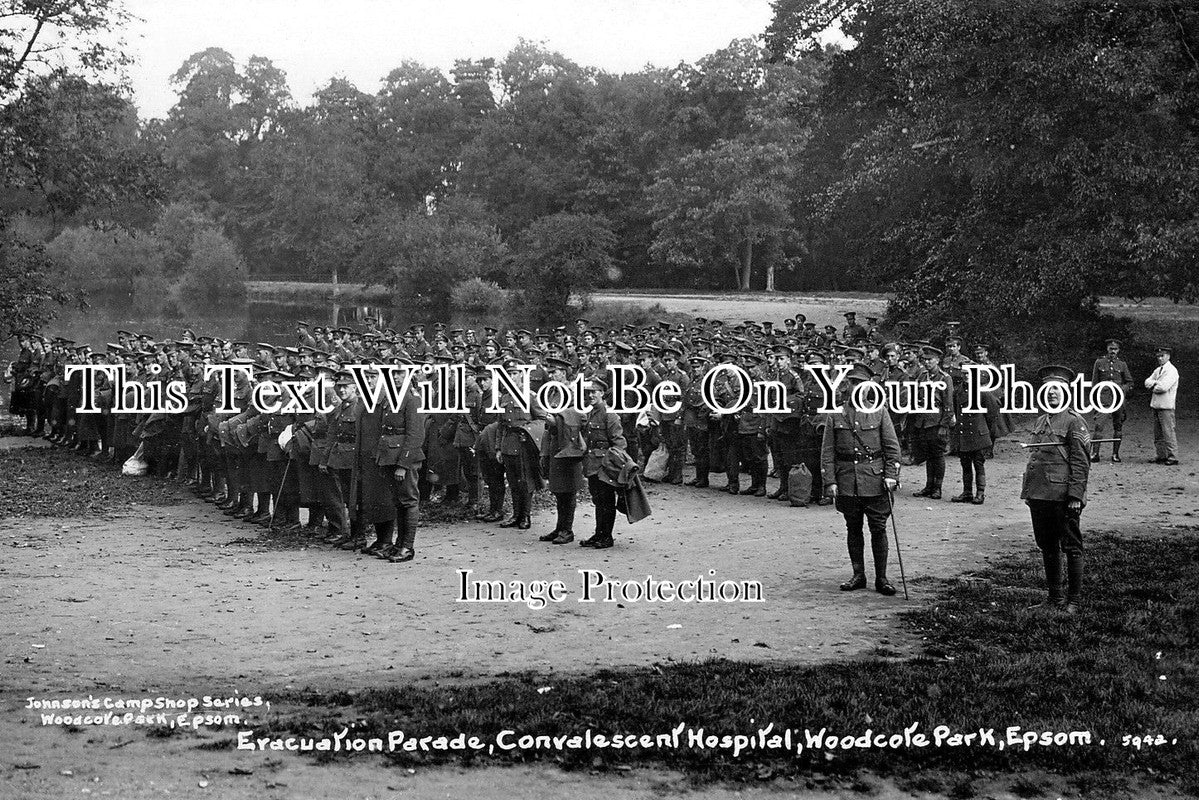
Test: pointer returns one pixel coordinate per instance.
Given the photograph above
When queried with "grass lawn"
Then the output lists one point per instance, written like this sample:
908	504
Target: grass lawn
1126	668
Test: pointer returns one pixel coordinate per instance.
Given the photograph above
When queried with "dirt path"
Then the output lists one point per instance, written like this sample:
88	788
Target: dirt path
168	600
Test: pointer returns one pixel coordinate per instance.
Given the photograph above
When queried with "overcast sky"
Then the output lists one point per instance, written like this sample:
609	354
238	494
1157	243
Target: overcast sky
362	40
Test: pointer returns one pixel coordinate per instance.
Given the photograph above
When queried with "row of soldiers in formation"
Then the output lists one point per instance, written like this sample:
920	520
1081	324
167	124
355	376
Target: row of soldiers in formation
355	471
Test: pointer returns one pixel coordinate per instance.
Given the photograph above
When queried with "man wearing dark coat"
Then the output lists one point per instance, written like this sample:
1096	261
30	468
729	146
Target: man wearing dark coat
562	451
1055	490
601	431
398	453
860	468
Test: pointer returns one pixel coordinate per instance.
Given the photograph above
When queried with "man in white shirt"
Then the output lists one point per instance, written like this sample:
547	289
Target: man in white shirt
1164	385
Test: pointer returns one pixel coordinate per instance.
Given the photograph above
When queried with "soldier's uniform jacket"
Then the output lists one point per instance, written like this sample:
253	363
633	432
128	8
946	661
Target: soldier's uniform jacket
466	426
683	381
343	436
516	424
1112	369
942	399
853	333
601	430
402	435
858	451
954	362
275	425
796	395
972	432
318	427
1058	472
695	411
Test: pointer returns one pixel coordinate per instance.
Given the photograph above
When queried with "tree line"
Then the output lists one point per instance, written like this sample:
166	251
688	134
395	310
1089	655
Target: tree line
998	161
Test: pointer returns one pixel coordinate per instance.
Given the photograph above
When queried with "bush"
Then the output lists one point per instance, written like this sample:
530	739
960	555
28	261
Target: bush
215	272
559	256
115	263
477	296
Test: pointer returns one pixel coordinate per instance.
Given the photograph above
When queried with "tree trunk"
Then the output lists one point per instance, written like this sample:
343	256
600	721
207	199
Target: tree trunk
746	262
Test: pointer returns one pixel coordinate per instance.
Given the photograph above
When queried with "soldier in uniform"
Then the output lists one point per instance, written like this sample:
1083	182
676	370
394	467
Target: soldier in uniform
398	455
971	439
954	359
930	429
601	431
1111	367
1055	490
852	332
786	427
520	455
859	464
695	422
811	432
670	425
562	451
337	462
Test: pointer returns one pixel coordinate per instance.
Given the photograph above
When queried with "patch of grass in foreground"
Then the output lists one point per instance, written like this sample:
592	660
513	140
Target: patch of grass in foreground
988	663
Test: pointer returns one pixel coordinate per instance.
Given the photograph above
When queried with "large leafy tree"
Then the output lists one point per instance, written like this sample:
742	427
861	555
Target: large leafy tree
421	256
223	114
69	143
728	205
1010	160
558	256
720	210
309	189
418	144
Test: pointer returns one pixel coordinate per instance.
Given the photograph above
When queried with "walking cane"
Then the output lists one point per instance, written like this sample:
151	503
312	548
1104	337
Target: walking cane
898	554
279	493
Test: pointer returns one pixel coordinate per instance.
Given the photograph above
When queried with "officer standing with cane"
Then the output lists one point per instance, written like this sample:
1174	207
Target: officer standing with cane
859	464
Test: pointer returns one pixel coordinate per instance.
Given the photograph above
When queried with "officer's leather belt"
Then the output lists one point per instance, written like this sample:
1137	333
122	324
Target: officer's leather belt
345	439
390	431
858	456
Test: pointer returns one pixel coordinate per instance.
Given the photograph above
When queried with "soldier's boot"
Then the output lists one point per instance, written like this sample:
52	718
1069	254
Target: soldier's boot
348	534
517	514
967	495
451	494
607	520
385	536
858	581
316	519
406	543
291	519
1052	558
389	547
1075	563
879	551
937	476
340	526
472	493
1094	454
384	531
781	493
980	480
1116	450
244	507
564	527
263	514
495	507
